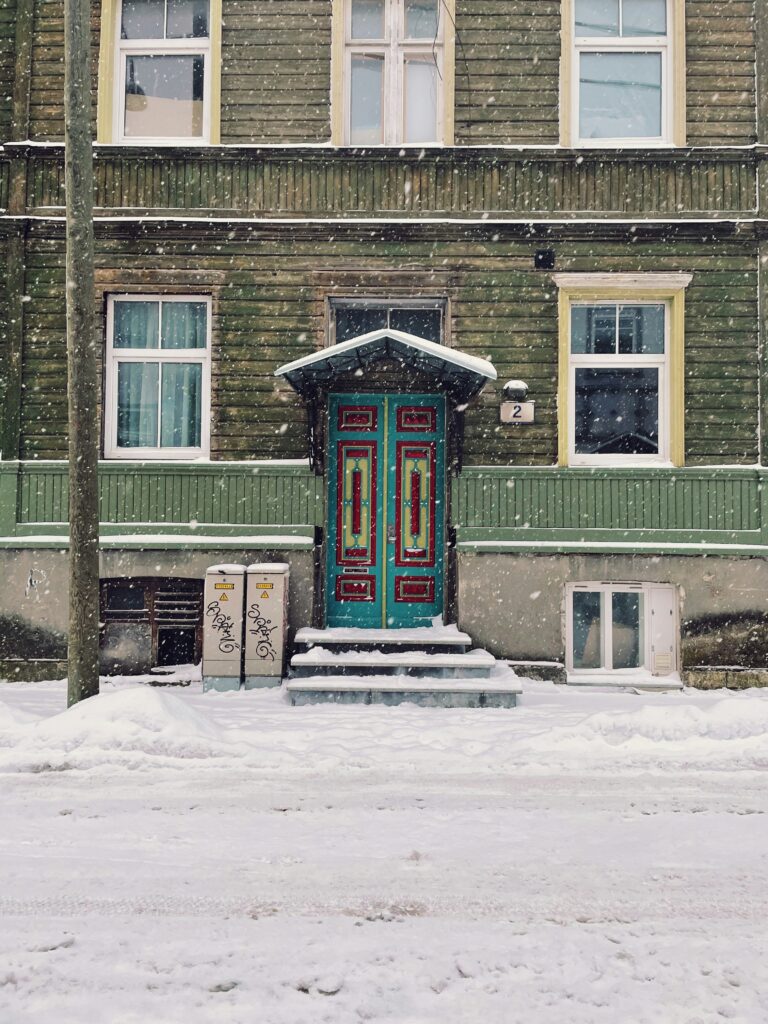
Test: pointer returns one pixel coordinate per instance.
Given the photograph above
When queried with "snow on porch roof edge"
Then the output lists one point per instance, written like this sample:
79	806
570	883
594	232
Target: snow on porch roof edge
475	371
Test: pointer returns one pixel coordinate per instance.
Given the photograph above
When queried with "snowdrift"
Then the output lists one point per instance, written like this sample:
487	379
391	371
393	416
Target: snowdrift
141	726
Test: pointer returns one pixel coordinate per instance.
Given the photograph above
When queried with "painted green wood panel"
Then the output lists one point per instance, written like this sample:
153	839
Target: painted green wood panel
7	64
448	183
517	503
141	493
270	292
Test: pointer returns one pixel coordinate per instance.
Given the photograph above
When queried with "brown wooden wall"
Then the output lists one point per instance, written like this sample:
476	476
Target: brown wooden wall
270	291
276	71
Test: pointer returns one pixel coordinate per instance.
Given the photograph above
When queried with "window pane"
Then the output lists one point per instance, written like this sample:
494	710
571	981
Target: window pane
617	412
181	406
620	96
645	18
137	405
593	330
420	100
352	321
421	19
164	97
184	324
597	17
125	597
136	324
142	19
641	329
587	630
187	19
367	101
626	629
424	323
367	19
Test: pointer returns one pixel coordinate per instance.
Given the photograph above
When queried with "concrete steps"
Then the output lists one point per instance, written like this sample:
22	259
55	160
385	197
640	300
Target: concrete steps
432	667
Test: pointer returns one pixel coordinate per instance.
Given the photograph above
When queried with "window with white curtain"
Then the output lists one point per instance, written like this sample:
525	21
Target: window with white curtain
622	72
163	71
157	377
393	72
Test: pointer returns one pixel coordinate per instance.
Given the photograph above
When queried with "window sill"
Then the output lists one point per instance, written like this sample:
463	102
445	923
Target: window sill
639	680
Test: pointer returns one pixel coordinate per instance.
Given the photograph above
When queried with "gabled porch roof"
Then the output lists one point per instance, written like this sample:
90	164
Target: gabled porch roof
461	376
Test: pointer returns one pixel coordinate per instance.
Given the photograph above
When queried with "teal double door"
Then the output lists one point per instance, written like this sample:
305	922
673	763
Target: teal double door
386	510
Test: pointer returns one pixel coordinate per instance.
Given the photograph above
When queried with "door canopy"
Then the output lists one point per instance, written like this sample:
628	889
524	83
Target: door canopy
461	376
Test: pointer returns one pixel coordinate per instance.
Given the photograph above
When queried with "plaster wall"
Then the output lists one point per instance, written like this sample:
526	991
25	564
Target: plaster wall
514	604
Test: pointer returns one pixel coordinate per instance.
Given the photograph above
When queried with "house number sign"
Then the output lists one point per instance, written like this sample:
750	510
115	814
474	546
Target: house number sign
517	412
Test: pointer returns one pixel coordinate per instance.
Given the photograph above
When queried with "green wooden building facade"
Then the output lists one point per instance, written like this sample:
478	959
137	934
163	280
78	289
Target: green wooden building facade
515	216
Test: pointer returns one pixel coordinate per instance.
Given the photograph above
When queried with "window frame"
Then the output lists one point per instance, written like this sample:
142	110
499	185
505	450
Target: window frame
411	302
606	589
625	289
395	51
111	90
113	358
672	50
658	361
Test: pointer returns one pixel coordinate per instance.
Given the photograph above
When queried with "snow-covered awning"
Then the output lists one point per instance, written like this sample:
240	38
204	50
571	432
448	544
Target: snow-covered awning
460	375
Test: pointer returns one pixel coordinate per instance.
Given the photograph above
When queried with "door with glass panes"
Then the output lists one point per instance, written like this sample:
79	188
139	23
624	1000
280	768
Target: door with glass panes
386	510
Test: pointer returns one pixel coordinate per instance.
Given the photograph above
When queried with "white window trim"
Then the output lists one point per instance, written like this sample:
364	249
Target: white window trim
160	48
395	51
146	355
623	675
659	361
626	44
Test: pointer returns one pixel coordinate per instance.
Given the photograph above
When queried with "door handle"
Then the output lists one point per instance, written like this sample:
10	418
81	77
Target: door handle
390	533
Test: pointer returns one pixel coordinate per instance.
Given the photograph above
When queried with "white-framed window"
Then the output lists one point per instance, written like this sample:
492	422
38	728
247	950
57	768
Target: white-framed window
163	72
621	629
393	72
622	75
158	377
618	383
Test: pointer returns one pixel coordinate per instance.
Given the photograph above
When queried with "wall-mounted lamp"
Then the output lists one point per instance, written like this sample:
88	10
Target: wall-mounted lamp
515	391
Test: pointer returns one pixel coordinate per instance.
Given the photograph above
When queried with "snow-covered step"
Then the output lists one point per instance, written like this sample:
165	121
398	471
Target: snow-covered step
444	665
427	638
499	691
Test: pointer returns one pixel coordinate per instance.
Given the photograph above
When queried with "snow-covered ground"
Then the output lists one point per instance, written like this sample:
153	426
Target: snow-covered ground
171	856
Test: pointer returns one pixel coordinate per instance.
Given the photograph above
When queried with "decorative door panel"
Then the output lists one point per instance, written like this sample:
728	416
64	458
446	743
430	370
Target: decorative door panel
386	510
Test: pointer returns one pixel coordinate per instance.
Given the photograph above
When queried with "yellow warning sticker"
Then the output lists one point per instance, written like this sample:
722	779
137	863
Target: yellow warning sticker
267	586
223	598
265	595
223	586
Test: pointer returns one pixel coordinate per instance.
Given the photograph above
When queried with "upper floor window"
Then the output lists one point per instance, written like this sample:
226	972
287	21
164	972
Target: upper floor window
163	68
394	73
622	80
157	401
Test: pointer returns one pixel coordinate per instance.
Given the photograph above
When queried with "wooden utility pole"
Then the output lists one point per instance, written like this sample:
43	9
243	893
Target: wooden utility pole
81	358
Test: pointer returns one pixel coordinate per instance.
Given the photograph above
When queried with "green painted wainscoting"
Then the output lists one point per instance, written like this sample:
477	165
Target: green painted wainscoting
719	510
685	511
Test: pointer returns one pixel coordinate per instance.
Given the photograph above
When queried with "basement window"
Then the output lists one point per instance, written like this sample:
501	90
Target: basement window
620	630
157	377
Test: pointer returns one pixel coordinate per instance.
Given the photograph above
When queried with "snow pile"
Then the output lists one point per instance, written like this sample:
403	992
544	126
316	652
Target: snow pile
12	722
729	727
124	728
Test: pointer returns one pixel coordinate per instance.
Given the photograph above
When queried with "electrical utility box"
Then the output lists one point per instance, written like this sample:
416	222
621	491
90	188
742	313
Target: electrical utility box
223	627
266	623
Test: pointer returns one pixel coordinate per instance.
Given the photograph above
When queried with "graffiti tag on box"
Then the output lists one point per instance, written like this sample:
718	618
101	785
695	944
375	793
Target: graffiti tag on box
224	625
260	628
